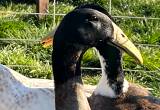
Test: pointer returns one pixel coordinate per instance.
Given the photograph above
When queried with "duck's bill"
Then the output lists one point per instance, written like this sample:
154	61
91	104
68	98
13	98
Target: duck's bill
121	40
47	41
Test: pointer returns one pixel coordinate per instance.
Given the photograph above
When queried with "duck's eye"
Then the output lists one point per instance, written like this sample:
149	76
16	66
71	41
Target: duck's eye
123	35
92	18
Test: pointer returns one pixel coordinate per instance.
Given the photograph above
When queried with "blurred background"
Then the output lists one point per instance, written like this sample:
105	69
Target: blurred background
21	31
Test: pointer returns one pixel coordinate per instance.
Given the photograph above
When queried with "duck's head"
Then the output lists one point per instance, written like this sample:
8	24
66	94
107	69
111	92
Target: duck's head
90	27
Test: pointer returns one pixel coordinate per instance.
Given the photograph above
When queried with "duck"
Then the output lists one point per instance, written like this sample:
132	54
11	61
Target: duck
91	27
87	28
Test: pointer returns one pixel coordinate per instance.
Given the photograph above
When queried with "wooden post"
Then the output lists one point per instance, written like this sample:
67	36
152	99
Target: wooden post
42	7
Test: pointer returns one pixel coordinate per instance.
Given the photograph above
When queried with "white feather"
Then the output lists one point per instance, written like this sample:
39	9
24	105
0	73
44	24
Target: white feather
103	87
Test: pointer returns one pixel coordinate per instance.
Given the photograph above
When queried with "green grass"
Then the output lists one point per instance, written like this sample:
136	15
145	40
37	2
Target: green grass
38	58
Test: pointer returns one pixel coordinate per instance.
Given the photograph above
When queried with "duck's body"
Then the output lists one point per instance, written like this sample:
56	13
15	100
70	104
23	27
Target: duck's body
18	92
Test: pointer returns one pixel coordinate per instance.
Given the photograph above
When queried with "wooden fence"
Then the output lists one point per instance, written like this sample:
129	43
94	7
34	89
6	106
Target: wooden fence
42	7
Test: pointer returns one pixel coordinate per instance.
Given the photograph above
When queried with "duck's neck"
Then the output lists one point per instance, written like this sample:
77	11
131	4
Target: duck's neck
112	82
69	94
66	63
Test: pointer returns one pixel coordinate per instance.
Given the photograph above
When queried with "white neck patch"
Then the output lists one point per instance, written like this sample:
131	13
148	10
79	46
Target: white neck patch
103	88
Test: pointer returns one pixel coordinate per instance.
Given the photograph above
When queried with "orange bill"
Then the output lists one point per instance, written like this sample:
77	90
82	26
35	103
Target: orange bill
47	41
